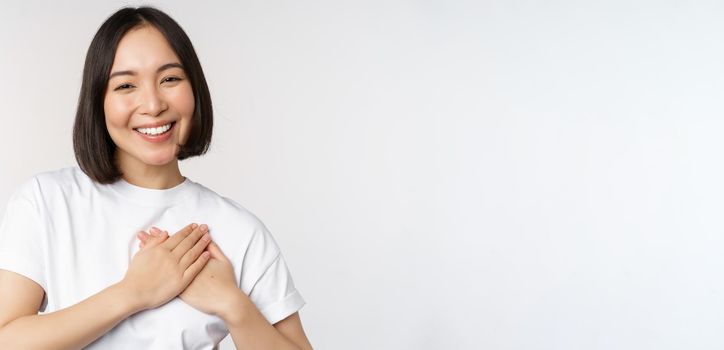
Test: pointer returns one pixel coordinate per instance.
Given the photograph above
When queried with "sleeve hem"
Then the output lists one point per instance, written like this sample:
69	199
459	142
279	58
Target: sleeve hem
283	308
23	270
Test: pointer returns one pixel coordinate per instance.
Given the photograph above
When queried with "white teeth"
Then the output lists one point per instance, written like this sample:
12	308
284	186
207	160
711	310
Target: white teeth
155	131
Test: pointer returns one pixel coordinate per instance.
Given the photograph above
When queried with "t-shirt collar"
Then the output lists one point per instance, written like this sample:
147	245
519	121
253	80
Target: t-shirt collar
152	197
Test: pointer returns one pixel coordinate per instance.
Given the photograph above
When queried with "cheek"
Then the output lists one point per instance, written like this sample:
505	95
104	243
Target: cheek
117	111
184	101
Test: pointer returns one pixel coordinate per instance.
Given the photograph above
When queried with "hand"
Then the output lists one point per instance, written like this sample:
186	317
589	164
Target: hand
163	269
214	290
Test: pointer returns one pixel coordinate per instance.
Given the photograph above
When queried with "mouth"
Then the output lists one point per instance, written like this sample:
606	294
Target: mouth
161	133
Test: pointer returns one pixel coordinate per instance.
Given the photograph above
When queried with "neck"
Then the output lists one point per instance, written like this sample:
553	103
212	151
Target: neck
138	173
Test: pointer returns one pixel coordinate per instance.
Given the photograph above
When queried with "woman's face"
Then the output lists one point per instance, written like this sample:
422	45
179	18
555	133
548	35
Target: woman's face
147	92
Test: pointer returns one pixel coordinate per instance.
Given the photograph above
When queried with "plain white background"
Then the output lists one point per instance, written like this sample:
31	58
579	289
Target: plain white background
443	174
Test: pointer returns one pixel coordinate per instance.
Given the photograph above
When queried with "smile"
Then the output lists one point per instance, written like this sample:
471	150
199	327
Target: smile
159	134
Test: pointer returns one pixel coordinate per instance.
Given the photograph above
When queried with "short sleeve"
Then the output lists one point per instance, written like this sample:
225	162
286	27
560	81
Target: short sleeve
21	238
267	277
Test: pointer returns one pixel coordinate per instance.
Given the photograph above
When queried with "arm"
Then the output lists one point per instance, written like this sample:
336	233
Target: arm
176	263
71	328
214	291
250	330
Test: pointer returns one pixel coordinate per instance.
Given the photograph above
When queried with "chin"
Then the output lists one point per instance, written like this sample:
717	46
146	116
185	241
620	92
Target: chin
159	159
160	162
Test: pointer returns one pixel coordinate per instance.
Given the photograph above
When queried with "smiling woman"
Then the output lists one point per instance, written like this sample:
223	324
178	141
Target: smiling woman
147	90
76	243
151	77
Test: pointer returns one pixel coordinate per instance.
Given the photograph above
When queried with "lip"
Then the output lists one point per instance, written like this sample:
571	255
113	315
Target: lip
154	125
160	138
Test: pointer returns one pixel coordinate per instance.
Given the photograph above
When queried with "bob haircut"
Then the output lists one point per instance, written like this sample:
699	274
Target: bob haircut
93	146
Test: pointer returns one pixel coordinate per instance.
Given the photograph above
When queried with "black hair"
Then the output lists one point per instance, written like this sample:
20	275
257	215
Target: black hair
93	146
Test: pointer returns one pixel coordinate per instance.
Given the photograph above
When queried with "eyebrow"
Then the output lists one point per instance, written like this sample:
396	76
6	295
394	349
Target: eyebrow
159	70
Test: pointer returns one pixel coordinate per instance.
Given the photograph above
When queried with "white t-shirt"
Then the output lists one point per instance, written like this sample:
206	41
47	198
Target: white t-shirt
75	237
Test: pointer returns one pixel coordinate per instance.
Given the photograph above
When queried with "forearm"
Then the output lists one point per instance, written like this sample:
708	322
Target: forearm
73	327
251	331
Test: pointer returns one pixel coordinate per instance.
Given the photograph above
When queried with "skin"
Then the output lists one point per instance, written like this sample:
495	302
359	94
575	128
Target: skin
215	282
148	96
185	264
176	261
248	328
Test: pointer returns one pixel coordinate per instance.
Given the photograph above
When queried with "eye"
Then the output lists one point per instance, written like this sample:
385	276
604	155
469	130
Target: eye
123	87
171	79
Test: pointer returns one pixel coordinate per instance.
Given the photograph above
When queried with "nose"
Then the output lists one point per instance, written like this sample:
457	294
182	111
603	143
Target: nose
152	102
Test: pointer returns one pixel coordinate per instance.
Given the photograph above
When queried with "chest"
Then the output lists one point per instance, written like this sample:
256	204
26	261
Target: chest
85	254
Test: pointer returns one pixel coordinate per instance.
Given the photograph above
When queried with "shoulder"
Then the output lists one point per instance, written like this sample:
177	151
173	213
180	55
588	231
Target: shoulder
46	186
34	185
61	181
227	207
228	215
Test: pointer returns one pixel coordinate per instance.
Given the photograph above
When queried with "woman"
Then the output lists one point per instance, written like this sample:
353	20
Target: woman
68	243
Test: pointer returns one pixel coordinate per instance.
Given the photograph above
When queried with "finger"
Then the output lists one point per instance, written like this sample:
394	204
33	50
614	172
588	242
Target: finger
216	252
145	237
195	251
162	235
195	268
180	250
159	237
148	240
155	231
142	236
179	236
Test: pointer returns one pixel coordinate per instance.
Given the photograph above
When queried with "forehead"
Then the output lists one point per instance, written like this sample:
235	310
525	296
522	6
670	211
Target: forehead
143	48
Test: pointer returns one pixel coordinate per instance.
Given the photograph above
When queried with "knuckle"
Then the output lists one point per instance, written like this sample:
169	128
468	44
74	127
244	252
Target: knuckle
189	236
198	232
191	230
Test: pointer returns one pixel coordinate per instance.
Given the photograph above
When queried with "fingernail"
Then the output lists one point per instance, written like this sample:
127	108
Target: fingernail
206	237
204	228
194	226
154	229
